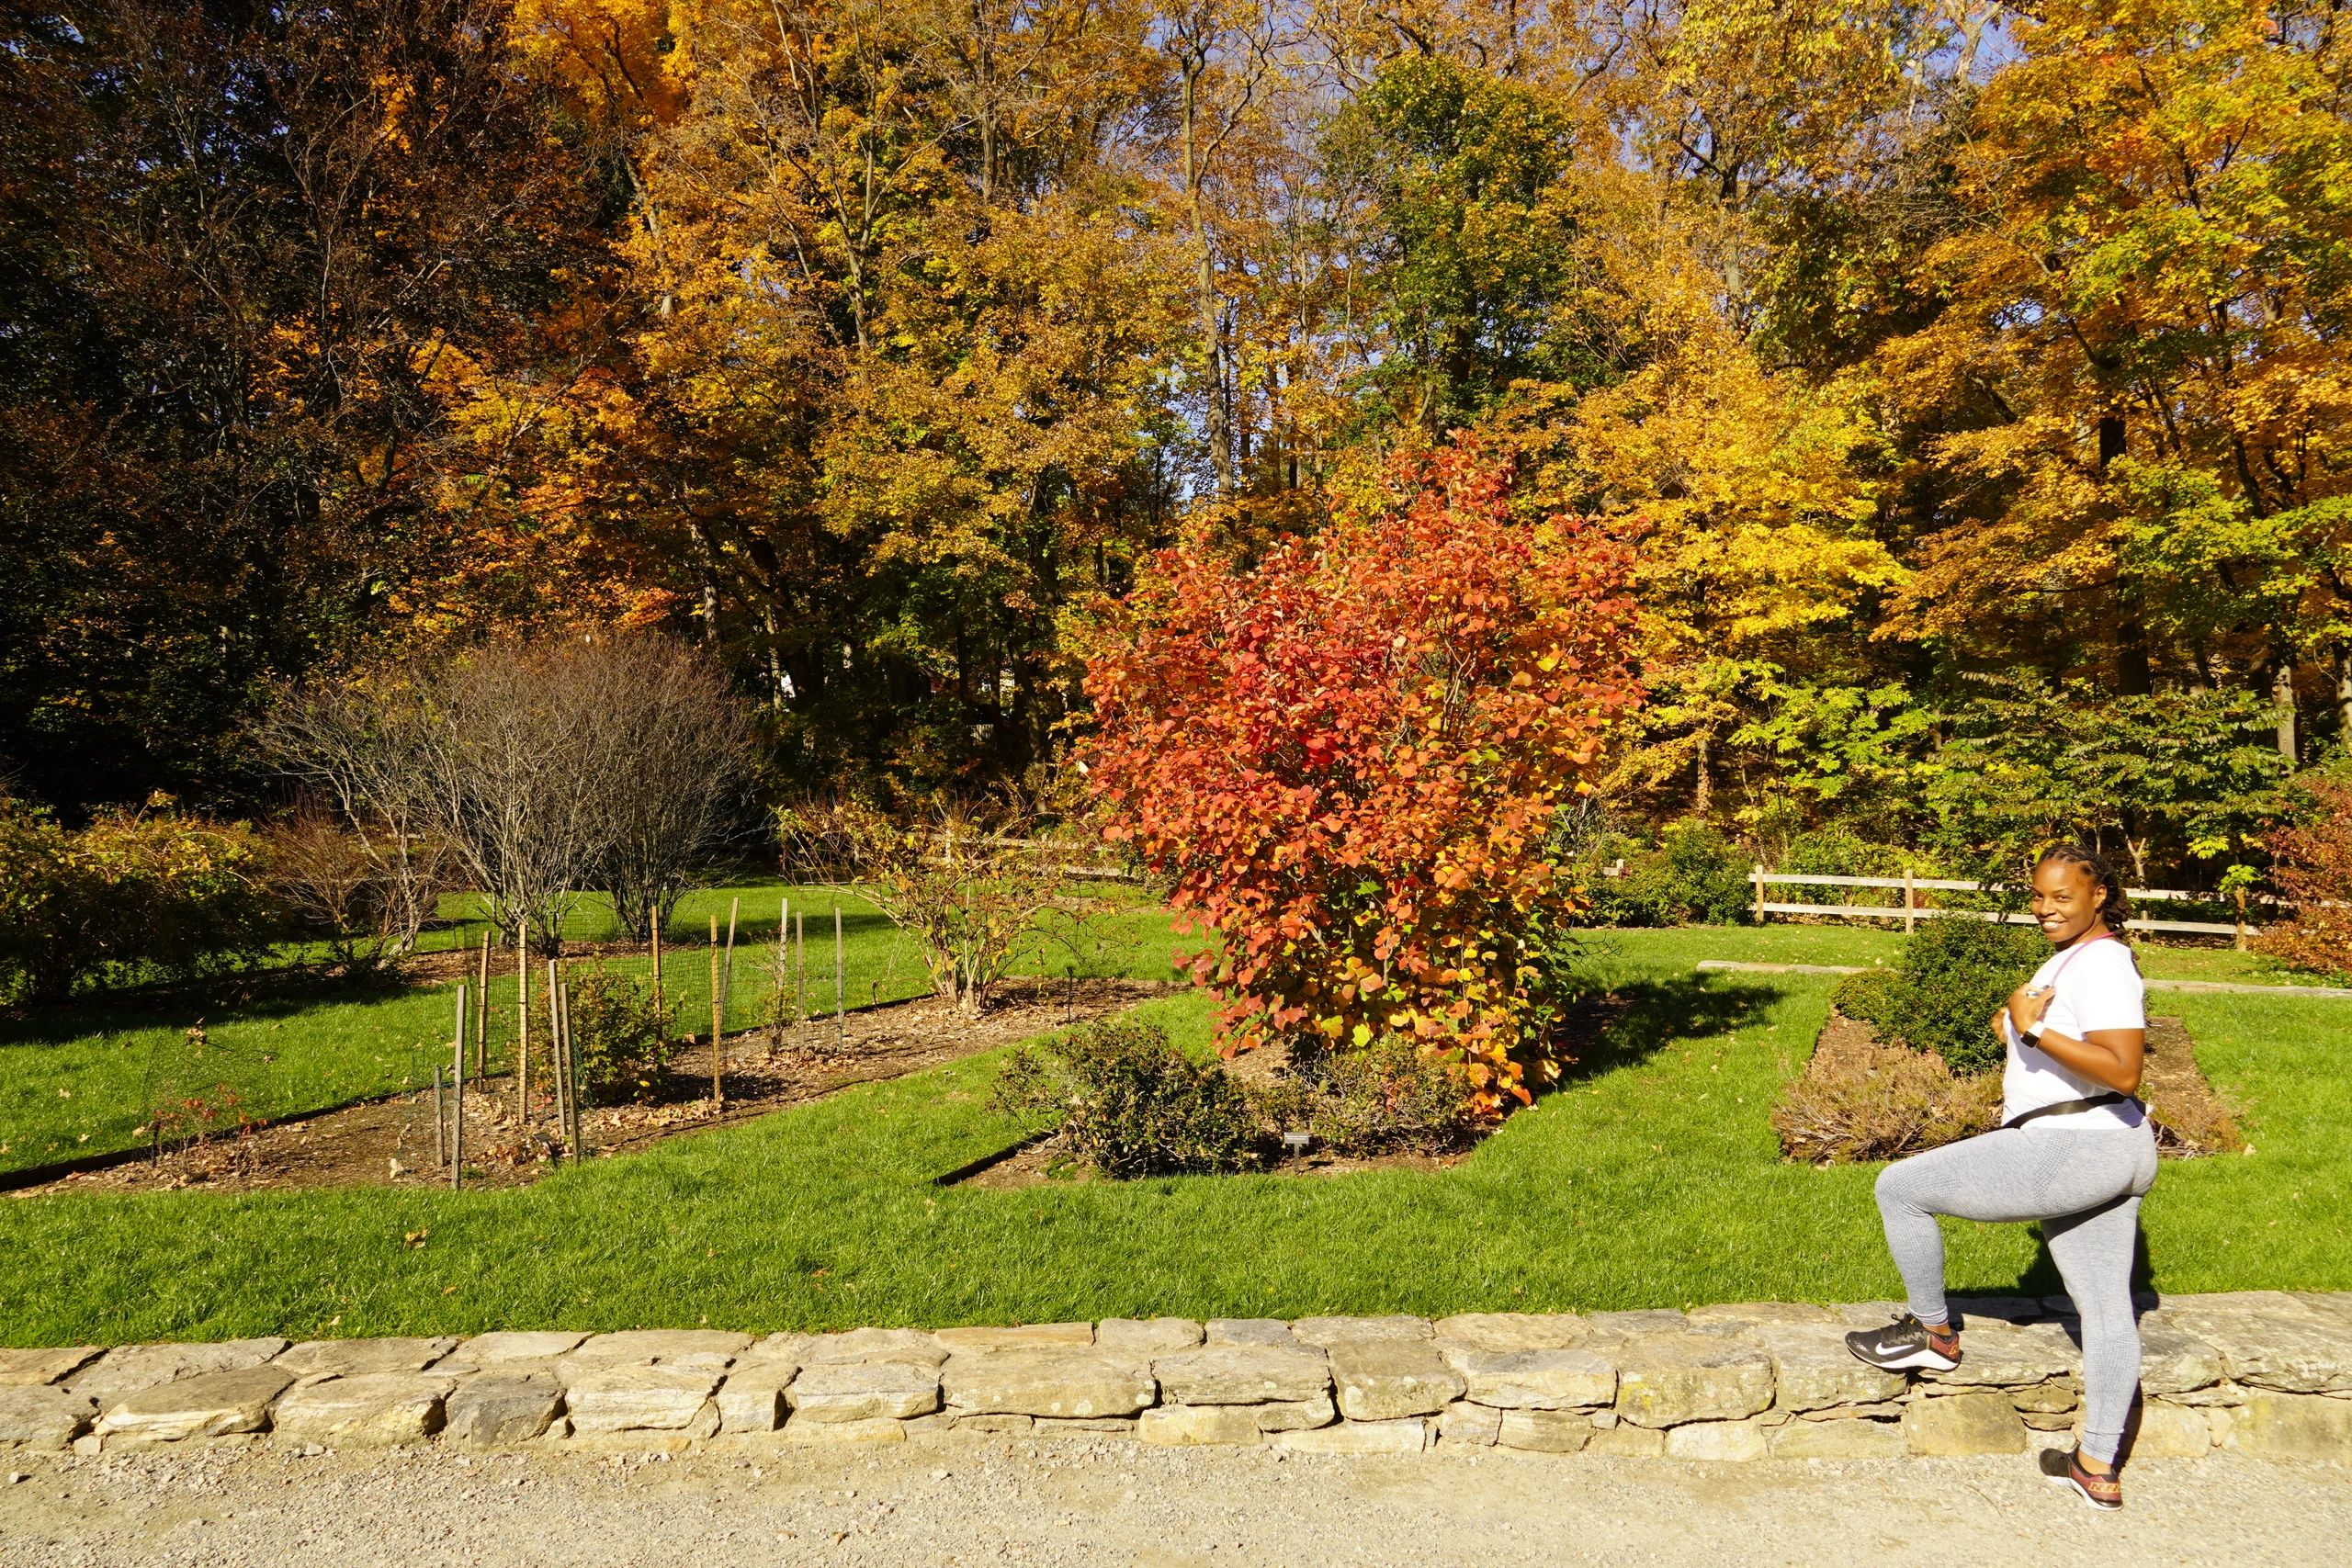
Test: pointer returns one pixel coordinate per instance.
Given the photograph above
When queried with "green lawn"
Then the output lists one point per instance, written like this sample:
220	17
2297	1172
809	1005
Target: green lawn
1652	1178
88	1078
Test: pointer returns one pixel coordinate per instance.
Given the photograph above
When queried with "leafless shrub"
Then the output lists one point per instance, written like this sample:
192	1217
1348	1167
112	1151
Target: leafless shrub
680	749
540	769
360	748
344	894
513	777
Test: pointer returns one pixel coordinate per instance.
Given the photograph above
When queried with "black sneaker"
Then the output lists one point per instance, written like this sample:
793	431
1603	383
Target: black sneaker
1904	1344
2063	1467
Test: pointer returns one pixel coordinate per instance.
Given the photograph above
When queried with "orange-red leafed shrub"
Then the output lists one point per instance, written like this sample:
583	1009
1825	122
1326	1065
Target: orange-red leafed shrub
2314	869
1347	759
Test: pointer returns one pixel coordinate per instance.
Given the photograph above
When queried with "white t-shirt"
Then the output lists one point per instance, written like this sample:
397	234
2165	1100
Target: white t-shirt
2098	987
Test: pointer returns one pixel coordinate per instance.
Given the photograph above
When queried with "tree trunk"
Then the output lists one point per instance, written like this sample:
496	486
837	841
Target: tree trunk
2282	697
1208	308
2344	696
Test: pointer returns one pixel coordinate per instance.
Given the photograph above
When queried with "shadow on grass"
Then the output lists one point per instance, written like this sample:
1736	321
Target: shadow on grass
266	995
1637	1019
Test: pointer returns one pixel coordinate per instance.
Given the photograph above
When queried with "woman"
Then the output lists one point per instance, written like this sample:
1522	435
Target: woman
2074	1151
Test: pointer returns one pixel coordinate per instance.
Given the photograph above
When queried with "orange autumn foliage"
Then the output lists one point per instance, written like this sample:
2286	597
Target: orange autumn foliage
1347	759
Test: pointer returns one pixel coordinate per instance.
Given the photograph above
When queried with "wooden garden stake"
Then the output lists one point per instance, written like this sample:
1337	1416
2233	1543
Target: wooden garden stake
841	1027
663	1036
727	968
458	1099
718	1016
801	970
556	1064
522	1029
782	960
579	1137
482	1014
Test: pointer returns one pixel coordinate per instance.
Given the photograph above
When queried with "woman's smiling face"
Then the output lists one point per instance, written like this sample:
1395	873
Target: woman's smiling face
2067	899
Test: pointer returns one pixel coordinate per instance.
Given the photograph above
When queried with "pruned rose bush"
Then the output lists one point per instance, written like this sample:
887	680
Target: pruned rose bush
1346	760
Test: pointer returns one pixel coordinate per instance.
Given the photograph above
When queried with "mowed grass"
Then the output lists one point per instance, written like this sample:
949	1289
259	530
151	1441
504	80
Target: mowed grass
1651	1178
91	1078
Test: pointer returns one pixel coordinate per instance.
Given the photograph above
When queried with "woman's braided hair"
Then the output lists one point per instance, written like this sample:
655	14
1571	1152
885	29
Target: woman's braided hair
2115	907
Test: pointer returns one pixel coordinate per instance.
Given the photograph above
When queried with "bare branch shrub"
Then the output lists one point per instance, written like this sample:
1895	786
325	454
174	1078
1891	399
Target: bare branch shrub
680	749
333	881
360	748
540	769
513	777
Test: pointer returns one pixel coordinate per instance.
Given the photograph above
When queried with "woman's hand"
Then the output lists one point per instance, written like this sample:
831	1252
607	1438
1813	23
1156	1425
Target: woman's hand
2000	1025
2027	1004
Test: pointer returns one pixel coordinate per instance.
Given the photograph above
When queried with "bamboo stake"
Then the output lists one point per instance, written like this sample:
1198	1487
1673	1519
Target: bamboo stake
840	1026
522	1029
457	1100
783	964
728	964
663	1036
560	1078
579	1138
482	1014
717	1016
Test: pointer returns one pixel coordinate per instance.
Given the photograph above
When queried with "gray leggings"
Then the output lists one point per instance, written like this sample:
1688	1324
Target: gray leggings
2085	1186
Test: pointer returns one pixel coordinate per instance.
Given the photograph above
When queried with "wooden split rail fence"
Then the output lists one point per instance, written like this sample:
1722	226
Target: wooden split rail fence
1912	910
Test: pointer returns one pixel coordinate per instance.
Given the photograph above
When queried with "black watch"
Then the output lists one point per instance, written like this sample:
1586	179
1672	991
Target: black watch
2031	1036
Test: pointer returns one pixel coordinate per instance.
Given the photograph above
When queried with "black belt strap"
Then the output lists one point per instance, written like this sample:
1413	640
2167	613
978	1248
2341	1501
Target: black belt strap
2069	1107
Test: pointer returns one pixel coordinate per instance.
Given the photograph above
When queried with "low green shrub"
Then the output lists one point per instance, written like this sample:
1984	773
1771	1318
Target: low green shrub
624	1054
1694	875
1129	1103
1954	975
1873	995
1389	1097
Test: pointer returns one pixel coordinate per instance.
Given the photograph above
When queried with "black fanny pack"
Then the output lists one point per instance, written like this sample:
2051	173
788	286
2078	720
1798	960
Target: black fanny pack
2068	1108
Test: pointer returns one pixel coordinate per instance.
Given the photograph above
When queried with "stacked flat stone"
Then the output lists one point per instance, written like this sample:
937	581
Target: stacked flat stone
2262	1373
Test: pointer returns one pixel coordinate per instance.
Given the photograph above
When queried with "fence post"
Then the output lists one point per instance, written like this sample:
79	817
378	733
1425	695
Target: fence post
1756	871
2241	942
1910	902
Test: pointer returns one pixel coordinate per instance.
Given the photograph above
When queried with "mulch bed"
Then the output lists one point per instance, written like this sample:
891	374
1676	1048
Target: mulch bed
390	1142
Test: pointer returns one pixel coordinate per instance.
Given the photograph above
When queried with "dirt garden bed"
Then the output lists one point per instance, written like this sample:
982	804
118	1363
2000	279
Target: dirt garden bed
389	1141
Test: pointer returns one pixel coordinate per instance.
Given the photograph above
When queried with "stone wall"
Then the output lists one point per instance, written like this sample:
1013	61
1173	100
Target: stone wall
2262	1373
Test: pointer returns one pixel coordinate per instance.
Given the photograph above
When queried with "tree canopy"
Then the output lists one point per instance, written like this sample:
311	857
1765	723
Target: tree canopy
1960	371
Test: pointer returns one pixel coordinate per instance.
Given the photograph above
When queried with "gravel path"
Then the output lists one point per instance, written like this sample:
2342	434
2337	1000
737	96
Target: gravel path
967	1501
